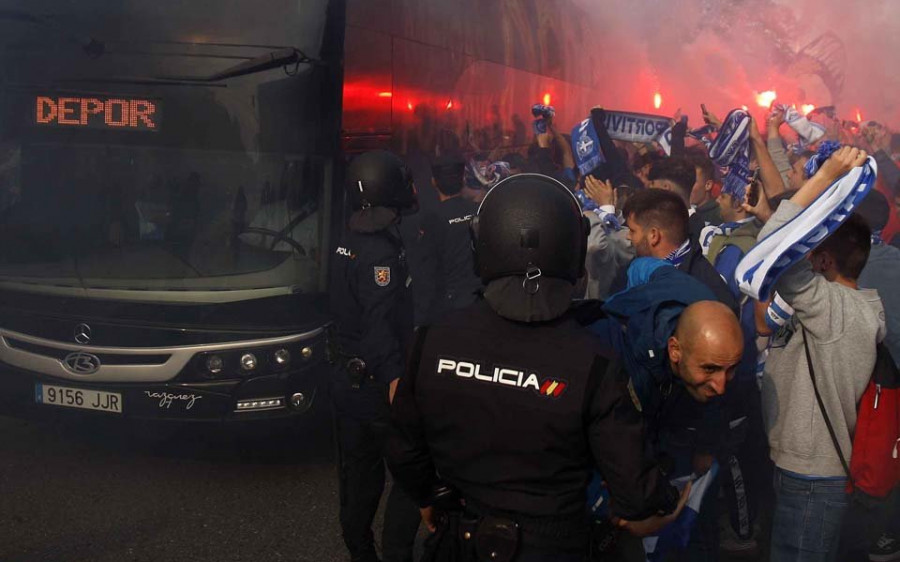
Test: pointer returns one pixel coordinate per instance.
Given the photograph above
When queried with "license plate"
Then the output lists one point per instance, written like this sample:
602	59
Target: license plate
84	399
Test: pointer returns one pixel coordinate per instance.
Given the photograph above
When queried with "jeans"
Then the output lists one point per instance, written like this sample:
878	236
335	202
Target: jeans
808	515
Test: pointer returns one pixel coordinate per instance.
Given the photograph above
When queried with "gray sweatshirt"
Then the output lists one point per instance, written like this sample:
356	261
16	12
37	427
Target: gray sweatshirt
843	325
607	254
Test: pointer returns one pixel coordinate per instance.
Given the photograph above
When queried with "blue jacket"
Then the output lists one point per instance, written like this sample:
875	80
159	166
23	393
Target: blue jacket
641	320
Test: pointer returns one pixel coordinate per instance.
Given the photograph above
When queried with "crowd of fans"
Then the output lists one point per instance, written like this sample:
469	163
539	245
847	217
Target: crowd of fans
671	201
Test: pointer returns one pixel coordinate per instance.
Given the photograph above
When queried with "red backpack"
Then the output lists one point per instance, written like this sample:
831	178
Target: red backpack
874	467
874	464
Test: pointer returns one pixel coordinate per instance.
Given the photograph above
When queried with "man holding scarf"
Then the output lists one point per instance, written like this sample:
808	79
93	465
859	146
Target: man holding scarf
839	324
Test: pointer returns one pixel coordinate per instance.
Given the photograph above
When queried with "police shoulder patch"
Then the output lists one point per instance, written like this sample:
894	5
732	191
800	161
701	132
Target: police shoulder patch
382	276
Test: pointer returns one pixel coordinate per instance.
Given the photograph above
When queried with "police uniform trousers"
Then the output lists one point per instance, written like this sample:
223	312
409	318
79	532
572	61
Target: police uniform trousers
362	421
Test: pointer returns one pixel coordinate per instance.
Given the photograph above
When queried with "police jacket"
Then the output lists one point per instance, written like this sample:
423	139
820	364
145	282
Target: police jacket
371	302
516	416
448	269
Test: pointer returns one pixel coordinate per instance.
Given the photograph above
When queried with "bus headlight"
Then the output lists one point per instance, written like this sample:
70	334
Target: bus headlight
282	358
248	362
215	364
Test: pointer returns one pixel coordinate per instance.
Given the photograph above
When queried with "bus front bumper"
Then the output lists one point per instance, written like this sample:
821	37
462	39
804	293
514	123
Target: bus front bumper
263	397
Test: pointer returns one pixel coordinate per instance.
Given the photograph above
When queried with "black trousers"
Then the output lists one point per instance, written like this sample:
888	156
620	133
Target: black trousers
361	426
745	469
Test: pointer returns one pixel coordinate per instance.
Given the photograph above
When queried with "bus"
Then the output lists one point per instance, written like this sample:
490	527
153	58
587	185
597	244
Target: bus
170	180
166	191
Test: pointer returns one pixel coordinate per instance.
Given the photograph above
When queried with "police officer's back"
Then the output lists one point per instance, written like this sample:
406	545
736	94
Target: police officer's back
447	280
371	303
507	400
370	296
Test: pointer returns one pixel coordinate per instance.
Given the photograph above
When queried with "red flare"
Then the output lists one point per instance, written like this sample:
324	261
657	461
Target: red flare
765	99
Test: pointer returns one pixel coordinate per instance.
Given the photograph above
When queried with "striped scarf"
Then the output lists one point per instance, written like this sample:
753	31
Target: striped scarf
676	256
763	265
731	152
725	229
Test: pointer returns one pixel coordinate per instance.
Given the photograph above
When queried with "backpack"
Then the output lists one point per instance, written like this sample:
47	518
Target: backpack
874	467
874	464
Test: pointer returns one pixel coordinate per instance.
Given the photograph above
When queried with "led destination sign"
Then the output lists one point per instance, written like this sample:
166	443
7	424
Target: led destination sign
129	114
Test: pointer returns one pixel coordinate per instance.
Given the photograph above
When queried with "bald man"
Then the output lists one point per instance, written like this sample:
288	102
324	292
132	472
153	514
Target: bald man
678	347
705	349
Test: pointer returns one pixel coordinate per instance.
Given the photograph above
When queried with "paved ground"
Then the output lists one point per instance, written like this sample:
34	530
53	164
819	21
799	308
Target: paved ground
87	490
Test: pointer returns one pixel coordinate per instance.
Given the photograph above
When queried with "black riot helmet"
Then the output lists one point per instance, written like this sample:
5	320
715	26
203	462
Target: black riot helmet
530	225
380	179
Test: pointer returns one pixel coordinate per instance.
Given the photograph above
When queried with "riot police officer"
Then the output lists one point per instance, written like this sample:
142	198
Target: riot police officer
447	277
371	302
508	404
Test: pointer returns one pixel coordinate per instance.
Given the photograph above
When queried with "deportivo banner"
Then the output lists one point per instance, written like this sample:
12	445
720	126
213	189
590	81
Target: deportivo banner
635	127
621	125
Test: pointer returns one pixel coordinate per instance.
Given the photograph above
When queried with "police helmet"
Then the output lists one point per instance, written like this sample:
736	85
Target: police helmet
381	179
530	225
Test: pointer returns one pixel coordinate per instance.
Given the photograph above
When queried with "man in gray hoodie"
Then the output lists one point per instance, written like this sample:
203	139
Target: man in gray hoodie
842	324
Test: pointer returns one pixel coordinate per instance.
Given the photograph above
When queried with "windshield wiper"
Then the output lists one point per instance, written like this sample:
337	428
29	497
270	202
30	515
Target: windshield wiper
285	58
282	58
91	46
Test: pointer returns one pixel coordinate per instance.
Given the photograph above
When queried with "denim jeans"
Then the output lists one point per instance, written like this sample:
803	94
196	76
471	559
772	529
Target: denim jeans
808	515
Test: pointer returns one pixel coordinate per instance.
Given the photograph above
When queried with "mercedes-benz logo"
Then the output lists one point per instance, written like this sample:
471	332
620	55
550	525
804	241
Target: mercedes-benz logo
83	334
82	363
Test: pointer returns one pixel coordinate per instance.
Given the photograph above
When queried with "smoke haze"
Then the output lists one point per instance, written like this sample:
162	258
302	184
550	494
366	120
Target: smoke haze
723	52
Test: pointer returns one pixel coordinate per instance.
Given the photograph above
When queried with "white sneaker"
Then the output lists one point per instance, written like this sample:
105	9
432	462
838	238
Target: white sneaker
887	548
730	543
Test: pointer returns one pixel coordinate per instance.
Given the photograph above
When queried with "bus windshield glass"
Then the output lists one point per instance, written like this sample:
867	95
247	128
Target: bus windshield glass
164	147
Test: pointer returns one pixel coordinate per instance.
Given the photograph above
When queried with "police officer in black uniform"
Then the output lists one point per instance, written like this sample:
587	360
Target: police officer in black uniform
371	302
447	280
507	404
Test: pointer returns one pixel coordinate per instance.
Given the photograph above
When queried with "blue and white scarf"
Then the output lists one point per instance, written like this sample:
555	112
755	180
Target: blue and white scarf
778	313
808	131
586	147
676	256
610	220
877	240
702	134
761	267
711	231
731	152
677	534
733	141
587	204
622	126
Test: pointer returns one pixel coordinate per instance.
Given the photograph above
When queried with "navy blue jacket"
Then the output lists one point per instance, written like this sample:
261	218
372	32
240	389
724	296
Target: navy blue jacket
640	321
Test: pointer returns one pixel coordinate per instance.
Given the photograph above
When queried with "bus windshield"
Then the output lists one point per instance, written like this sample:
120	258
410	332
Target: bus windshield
163	147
